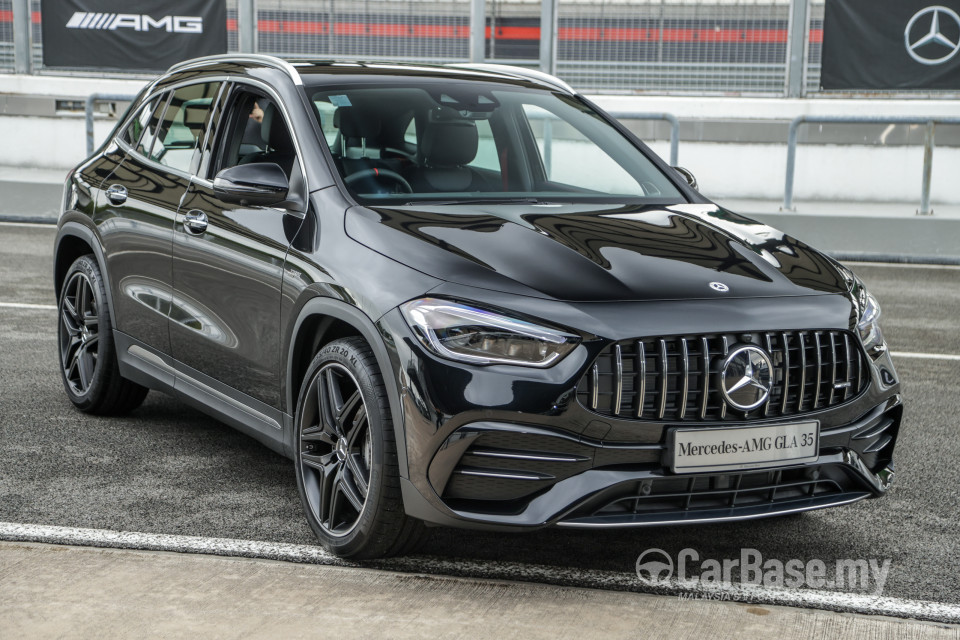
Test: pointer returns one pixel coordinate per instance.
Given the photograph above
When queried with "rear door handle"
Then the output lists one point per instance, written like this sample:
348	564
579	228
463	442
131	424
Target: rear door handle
117	194
195	221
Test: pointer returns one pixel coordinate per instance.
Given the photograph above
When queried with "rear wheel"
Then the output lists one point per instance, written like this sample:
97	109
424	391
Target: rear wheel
88	362
346	463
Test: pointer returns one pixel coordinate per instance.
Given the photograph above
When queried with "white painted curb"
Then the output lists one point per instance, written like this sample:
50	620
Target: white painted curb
809	599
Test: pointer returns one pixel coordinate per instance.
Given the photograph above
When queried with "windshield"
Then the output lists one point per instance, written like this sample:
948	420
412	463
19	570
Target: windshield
472	141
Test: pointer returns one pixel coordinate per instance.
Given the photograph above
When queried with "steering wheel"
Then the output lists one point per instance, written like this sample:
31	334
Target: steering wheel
398	179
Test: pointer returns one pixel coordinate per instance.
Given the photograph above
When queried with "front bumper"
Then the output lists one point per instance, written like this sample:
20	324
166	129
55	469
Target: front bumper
503	447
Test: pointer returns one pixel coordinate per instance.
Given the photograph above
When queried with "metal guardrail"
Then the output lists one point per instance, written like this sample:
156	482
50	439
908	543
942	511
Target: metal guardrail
92	99
928	143
666	117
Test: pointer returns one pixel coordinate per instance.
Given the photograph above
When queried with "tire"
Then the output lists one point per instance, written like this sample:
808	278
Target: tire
88	360
347	472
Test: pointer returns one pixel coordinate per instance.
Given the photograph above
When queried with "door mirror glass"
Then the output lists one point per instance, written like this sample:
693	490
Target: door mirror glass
687	175
257	183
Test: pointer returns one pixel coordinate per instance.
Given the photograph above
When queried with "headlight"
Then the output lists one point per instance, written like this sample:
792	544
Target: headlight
869	324
468	334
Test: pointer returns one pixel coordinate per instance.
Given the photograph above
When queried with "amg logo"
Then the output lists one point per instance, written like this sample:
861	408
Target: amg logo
135	21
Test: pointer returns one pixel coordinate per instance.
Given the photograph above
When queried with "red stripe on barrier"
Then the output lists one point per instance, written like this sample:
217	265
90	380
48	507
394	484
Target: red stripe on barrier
569	34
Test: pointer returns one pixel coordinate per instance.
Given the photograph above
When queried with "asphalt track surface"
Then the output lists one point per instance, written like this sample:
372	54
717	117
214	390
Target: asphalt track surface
167	469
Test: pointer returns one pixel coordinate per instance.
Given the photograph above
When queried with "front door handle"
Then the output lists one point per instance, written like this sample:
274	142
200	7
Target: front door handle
195	221
117	194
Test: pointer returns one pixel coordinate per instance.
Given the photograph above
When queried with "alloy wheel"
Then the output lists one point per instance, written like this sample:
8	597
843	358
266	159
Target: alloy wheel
335	449
79	333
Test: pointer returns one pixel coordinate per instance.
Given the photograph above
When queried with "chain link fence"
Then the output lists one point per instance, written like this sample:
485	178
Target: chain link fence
423	30
702	47
6	36
667	46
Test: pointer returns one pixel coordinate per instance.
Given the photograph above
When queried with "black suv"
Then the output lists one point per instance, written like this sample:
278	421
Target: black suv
462	295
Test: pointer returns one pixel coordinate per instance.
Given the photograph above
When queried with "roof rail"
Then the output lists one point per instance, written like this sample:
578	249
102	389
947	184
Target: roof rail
272	61
517	72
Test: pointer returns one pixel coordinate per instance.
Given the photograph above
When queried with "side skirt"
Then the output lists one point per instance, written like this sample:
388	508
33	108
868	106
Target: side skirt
144	365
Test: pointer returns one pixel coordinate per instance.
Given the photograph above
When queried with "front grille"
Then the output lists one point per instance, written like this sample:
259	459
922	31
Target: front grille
676	378
673	499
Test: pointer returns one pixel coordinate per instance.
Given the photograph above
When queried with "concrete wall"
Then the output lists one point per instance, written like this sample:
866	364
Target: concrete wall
731	169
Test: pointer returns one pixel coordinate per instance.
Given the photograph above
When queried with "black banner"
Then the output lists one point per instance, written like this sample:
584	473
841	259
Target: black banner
891	44
104	34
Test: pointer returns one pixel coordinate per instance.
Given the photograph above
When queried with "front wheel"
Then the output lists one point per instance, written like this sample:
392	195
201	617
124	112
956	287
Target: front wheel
346	462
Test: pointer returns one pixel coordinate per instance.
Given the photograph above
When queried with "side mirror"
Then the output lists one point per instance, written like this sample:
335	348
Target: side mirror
257	183
687	175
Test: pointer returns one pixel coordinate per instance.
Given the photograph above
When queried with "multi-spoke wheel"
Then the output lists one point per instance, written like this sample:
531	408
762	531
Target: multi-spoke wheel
335	449
88	361
346	462
79	335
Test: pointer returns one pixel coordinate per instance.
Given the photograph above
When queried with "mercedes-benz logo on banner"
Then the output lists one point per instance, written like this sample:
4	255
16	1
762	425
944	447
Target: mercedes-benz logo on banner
932	35
746	377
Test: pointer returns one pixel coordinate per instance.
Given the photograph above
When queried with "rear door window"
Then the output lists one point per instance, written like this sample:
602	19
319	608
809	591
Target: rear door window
182	127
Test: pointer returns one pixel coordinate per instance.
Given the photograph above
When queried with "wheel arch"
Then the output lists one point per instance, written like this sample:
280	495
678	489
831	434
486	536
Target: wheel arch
320	321
74	240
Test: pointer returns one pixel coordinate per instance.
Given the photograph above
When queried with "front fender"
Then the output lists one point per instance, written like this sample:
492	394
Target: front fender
320	305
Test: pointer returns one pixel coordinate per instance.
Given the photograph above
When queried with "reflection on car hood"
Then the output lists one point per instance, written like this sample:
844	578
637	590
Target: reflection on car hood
595	252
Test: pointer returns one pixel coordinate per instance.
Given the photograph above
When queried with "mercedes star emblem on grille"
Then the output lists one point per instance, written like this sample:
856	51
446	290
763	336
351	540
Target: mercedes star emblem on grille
746	377
719	286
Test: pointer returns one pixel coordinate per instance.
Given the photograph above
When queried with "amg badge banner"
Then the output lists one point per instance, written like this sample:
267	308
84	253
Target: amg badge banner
891	44
118	34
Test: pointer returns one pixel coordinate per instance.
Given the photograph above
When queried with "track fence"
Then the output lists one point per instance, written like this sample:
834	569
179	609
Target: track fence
696	47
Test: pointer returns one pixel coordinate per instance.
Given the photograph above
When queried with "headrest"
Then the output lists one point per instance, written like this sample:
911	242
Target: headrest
353	123
195	113
273	130
449	143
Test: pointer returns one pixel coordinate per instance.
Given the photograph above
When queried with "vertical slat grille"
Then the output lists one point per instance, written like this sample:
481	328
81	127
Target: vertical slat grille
676	378
684	377
642	368
705	376
618	379
664	379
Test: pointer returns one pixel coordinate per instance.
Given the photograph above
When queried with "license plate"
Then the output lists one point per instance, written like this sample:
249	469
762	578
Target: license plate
733	448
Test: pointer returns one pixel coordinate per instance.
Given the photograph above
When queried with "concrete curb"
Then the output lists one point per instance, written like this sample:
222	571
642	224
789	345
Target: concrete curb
805	599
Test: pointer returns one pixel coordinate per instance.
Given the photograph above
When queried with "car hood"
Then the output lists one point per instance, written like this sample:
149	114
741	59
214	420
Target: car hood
597	252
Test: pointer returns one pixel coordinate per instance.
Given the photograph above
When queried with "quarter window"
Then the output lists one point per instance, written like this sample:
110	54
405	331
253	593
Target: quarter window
134	130
152	123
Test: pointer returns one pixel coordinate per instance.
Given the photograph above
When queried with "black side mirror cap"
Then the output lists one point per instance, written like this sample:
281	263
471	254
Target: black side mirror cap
687	175
257	183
